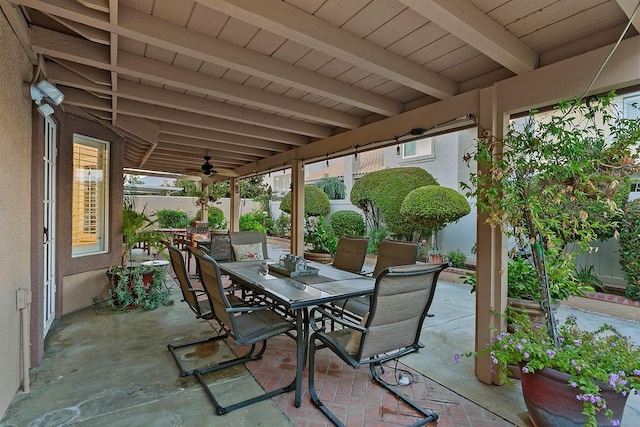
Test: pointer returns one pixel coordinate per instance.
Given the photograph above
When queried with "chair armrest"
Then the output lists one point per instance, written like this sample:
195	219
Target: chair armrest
340	320
247	308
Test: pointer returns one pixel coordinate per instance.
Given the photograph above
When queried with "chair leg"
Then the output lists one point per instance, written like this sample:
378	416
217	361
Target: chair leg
249	356
312	390
173	348
430	416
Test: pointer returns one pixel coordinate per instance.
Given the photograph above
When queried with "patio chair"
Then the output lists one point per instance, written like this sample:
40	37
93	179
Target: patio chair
220	246
198	300
248	245
248	325
350	254
390	253
401	298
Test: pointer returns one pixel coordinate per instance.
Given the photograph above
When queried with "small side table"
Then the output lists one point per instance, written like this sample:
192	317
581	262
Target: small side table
156	263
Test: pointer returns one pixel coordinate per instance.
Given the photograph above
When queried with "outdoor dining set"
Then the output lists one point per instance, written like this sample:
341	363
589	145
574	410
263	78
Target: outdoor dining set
362	317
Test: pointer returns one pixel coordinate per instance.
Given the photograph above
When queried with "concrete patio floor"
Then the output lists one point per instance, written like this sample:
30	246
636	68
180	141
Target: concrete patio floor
106	368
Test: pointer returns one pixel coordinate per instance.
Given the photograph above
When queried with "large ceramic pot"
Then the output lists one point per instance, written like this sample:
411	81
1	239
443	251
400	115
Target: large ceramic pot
531	308
322	258
552	402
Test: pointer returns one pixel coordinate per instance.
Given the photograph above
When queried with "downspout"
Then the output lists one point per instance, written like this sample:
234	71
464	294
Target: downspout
23	304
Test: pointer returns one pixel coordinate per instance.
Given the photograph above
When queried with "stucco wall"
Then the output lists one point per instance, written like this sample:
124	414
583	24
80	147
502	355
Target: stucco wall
15	186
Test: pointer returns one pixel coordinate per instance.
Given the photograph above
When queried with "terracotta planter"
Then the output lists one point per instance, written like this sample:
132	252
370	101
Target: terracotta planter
322	258
436	259
552	402
531	308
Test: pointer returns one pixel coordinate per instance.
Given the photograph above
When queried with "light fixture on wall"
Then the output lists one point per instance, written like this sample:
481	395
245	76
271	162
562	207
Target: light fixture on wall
42	92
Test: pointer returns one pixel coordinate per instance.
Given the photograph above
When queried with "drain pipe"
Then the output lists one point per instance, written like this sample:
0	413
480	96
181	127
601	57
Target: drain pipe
23	302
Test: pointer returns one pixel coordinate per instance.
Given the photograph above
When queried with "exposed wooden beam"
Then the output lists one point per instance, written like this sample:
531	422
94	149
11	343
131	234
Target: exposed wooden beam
65	47
215	143
90	33
143	27
142	128
466	21
293	23
629	7
206	151
66	70
113	56
101	5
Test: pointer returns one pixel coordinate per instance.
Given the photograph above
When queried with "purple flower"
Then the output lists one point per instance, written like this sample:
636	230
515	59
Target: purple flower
456	357
551	354
526	355
573	384
519	347
636	372
615	422
525	370
577	343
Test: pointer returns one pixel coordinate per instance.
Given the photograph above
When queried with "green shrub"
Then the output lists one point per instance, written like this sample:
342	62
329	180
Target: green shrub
457	258
255	221
319	236
585	274
347	223
376	235
334	188
316	202
169	218
630	250
281	226
215	218
380	194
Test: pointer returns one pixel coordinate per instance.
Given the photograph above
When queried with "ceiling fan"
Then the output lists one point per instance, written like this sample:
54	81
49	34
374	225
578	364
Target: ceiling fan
208	170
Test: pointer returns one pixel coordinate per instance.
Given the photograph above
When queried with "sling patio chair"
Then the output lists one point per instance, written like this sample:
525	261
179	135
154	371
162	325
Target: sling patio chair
399	305
247	325
198	300
350	254
390	253
248	245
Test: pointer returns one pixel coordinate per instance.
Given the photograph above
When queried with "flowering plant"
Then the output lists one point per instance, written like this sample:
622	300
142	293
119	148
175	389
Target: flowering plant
589	358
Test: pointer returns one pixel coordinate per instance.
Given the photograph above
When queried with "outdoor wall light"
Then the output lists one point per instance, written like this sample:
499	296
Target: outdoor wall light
43	92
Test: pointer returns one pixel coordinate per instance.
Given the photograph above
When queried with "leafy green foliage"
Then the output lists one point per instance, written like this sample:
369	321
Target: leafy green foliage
316	202
457	258
319	236
432	206
588	357
171	218
380	194
137	227
630	250
585	274
376	235
282	225
128	288
215	218
347	223
255	221
333	187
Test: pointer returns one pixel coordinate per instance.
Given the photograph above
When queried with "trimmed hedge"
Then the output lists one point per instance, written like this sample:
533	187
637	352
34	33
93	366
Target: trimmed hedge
215	218
432	206
383	191
316	202
333	187
630	250
170	218
347	223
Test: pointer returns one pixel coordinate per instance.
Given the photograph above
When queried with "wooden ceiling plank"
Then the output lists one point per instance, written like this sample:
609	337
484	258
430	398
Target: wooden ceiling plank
292	23
101	5
629	7
166	98
204	151
95	75
280	139
217	141
471	25
72	49
144	129
143	27
90	33
81	98
195	160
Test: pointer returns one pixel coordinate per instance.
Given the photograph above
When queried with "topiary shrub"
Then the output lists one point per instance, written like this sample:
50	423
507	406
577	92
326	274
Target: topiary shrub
170	218
432	206
347	223
380	194
630	250
333	187
316	202
215	218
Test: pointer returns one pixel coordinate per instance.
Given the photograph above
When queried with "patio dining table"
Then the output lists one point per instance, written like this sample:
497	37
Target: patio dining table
297	294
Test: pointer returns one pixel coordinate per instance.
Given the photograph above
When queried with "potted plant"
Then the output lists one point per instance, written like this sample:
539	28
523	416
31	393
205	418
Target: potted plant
534	185
323	243
584	381
137	286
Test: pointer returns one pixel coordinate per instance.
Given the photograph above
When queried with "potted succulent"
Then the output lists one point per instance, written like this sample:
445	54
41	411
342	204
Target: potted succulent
540	185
